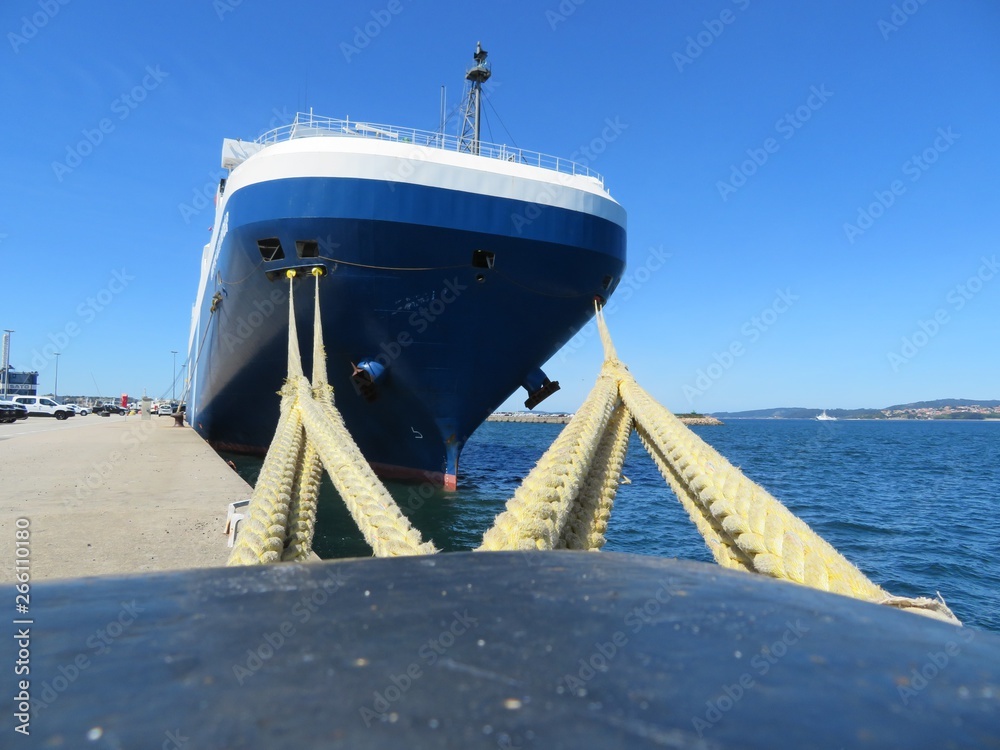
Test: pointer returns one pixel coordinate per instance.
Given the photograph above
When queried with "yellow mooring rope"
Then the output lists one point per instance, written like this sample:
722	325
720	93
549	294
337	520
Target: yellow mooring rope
563	503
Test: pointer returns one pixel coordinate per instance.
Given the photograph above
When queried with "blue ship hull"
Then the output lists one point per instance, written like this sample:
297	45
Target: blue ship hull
402	288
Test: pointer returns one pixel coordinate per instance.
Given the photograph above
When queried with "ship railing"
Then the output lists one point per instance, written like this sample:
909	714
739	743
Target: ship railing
307	125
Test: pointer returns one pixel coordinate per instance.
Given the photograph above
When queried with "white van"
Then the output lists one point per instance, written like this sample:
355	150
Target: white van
40	406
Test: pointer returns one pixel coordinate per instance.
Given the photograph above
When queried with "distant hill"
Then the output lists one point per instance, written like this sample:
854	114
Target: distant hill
803	413
799	413
942	402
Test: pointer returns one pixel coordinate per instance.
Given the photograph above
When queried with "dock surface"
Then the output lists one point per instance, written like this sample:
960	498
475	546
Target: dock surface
113	495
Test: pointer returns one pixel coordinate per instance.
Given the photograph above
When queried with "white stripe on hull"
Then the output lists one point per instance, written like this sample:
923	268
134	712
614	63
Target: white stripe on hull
367	159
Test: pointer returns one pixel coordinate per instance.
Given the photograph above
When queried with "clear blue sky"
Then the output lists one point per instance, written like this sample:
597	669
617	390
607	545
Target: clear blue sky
766	294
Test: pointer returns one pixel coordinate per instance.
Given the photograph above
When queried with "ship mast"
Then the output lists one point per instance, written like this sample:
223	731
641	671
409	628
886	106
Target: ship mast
477	75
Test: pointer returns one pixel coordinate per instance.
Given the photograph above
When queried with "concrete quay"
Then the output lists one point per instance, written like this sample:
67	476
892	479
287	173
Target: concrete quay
524	416
112	495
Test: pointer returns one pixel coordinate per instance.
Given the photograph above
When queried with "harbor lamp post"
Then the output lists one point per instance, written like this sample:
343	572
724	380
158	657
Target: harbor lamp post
56	394
173	383
6	359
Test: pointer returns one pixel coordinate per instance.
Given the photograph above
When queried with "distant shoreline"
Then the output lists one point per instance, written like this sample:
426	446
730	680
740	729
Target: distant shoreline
708	419
858	419
958	408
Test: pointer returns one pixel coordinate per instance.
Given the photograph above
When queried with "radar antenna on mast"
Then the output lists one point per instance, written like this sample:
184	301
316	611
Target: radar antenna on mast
477	75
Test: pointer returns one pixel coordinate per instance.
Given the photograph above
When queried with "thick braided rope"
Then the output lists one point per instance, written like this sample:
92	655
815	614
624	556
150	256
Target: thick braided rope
302	509
727	555
746	517
921	605
319	376
744	526
538	512
588	520
262	536
723	550
302	513
776	542
380	520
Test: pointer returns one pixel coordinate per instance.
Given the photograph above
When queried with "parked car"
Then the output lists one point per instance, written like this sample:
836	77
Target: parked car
79	410
107	409
11	411
166	409
41	406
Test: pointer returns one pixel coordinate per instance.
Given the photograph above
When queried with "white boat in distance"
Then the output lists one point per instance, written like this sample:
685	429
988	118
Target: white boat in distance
824	417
